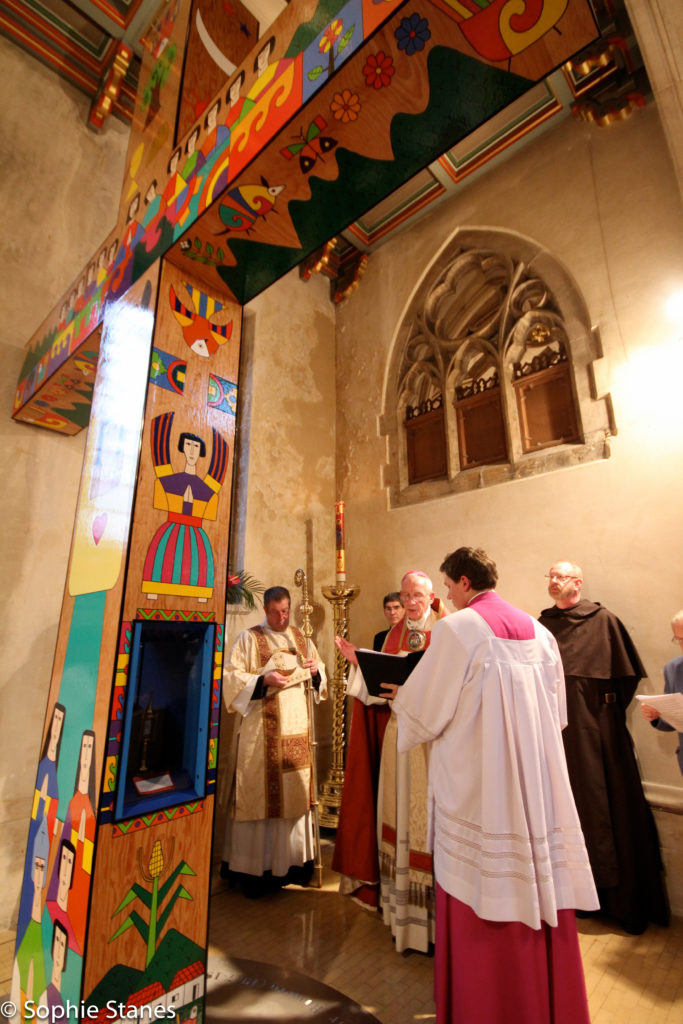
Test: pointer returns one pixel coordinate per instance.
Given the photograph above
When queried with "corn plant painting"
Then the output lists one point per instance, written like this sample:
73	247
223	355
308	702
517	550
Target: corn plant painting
153	898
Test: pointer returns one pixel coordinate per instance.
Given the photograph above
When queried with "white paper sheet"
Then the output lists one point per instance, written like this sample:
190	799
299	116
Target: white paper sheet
669	706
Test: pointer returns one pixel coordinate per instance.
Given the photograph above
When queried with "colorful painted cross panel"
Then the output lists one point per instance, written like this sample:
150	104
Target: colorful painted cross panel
390	109
340	105
74	320
59	861
52	920
180	525
175	588
63	402
180	487
154	900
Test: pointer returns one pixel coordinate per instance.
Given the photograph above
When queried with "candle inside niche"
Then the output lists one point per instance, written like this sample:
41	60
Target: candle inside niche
340	541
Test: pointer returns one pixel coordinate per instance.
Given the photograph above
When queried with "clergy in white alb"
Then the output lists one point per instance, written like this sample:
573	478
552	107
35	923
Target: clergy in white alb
269	831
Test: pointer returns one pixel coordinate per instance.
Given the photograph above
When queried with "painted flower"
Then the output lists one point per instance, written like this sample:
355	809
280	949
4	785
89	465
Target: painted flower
412	33
378	70
330	35
345	106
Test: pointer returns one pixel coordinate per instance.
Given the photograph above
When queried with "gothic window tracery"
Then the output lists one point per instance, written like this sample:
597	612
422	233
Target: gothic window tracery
486	363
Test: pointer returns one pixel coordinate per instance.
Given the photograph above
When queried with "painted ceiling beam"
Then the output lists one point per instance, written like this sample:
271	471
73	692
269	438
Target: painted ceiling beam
336	107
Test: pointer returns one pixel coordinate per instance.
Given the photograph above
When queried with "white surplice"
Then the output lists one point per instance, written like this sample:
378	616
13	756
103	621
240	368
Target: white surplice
505	831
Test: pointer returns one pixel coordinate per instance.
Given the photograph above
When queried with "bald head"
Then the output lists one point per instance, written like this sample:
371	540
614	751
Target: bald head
565	580
677	628
417	594
418	576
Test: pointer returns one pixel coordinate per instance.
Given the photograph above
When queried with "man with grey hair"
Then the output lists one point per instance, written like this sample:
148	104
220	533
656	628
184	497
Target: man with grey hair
602	670
673	680
382	834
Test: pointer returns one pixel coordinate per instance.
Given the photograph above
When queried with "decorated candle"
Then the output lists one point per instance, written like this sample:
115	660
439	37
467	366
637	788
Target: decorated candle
339	541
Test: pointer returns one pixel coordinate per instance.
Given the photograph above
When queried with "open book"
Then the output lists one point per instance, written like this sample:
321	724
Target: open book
378	667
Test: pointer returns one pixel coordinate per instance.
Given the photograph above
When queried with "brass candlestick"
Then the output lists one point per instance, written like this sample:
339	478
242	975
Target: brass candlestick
306	610
340	597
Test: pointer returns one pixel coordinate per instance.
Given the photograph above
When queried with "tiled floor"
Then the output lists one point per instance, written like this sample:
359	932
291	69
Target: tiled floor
328	937
630	980
319	934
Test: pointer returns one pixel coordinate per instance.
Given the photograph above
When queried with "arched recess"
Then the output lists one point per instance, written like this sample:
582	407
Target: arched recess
491	372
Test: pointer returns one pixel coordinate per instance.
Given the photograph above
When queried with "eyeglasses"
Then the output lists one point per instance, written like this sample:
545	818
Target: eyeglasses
677	639
559	577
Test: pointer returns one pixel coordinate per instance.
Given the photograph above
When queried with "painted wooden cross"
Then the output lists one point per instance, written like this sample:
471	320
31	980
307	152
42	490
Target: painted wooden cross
232	178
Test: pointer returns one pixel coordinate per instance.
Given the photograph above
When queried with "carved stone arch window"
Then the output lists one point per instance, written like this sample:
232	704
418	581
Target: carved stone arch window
543	384
422	411
478	402
491	373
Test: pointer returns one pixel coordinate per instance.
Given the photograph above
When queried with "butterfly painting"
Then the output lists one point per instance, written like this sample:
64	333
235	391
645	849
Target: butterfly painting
310	147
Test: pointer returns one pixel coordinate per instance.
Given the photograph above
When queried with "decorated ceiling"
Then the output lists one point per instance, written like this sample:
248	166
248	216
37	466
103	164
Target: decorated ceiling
97	45
336	107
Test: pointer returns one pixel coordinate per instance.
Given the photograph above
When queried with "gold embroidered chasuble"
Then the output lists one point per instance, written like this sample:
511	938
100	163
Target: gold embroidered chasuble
273	764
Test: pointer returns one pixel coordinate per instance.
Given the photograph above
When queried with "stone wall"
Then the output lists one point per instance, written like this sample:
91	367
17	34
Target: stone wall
283	510
59	193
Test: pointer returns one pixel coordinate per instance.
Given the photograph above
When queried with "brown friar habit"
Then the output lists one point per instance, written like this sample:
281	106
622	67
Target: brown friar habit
602	670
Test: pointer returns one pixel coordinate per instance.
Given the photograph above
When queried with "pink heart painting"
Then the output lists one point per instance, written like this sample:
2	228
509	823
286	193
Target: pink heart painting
98	527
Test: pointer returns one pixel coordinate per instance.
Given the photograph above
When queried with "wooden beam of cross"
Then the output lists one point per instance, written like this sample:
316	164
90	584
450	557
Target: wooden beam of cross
333	110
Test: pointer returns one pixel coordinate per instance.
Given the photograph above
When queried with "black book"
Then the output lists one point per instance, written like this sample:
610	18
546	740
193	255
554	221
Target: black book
379	667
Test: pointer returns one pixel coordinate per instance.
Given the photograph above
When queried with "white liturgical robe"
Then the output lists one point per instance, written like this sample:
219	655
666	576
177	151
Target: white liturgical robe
505	832
269	824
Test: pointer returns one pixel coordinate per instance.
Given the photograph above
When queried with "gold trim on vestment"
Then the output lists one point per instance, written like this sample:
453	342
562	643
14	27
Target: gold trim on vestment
281	753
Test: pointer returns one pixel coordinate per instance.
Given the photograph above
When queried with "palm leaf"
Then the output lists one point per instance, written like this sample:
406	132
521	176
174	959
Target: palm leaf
243	589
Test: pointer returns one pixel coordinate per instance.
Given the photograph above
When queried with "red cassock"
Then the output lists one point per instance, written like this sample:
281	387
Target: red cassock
355	849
